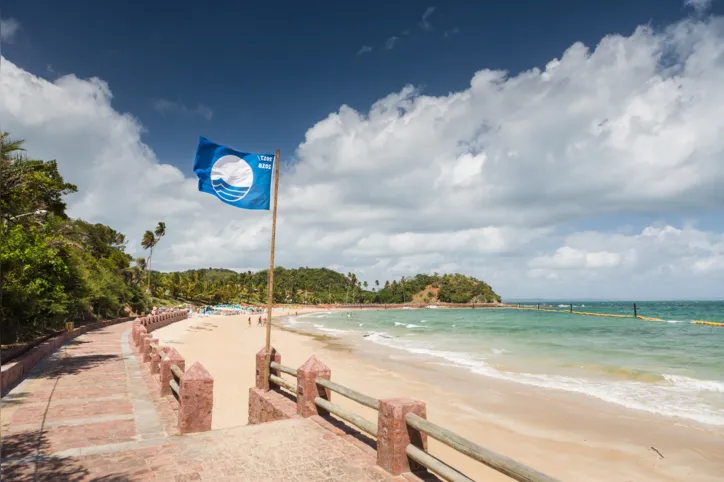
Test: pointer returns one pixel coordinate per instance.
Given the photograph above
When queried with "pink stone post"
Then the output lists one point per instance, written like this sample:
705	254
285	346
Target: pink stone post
139	338
260	361
146	349
172	358
134	334
156	360
394	435
307	388
196	400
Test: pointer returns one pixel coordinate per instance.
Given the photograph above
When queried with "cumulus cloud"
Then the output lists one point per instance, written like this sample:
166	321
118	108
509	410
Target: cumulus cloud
482	180
9	27
165	106
660	258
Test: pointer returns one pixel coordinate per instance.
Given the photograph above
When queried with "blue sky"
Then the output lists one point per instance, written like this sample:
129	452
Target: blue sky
544	197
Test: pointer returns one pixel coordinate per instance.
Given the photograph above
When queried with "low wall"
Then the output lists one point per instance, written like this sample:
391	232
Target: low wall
14	371
269	406
155	322
9	353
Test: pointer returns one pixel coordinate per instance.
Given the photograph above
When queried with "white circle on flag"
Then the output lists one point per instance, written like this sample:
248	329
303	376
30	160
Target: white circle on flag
231	178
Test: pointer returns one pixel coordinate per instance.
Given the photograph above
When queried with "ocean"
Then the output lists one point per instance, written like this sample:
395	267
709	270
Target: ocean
672	368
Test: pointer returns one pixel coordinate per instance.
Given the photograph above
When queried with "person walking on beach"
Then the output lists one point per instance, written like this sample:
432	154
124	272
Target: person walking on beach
250	322
258	323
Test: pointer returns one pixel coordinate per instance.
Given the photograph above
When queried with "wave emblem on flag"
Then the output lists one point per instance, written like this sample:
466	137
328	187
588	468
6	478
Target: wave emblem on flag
240	179
232	178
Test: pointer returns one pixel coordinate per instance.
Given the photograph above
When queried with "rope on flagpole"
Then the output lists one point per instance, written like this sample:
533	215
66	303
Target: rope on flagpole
270	287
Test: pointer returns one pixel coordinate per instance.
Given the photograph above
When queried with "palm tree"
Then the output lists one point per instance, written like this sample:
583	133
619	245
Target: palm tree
148	241
151	239
160	231
9	148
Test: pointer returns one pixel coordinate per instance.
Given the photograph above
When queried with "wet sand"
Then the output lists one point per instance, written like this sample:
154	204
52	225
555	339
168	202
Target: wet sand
569	436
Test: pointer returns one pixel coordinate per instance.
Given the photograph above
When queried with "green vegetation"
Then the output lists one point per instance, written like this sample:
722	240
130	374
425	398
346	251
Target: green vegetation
316	285
56	268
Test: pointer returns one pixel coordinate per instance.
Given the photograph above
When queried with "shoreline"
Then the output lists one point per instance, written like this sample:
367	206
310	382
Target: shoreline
567	435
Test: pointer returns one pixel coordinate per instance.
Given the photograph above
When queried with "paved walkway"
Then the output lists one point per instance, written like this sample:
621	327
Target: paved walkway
91	411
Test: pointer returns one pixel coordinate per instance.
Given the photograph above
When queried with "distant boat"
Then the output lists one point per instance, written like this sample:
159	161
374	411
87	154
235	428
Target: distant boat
432	306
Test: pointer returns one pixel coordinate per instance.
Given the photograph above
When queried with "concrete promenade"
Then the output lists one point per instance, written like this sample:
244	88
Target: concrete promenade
92	411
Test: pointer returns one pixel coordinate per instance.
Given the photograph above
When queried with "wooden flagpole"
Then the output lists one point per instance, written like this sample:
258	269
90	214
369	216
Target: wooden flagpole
270	286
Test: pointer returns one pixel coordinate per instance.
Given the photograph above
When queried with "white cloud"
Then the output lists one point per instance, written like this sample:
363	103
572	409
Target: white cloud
658	257
424	22
9	27
480	180
165	106
365	49
700	6
390	42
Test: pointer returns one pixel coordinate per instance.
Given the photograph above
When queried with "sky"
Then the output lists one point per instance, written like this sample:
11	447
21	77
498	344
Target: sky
561	150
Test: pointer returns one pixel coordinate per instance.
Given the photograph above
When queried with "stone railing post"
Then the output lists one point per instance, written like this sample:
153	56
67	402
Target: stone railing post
156	360
260	366
140	331
393	434
172	357
307	388
134	333
196	400
146	348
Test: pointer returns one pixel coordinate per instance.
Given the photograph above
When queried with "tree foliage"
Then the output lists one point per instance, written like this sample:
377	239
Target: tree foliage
313	285
55	268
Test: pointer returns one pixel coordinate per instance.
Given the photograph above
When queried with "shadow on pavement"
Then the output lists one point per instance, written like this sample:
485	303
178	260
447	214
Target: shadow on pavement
24	459
74	365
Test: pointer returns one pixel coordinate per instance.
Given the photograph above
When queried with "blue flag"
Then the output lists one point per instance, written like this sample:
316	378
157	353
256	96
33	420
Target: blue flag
240	179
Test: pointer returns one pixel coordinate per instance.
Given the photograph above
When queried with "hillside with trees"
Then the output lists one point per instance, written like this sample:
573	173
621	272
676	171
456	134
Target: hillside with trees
316	285
54	268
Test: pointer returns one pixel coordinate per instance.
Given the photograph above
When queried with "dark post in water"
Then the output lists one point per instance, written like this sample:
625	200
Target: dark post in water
635	313
571	307
538	306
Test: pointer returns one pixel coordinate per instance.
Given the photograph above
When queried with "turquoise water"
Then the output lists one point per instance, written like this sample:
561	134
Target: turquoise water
672	368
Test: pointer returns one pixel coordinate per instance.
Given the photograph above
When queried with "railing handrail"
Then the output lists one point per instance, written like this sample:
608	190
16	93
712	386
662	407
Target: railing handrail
177	372
157	349
282	382
175	380
283	368
505	465
175	387
344	414
431	462
358	397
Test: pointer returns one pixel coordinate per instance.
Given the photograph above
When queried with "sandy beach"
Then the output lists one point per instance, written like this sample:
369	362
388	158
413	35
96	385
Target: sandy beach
569	436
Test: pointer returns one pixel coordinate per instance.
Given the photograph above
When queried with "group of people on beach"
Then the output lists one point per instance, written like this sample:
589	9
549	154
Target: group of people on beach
260	322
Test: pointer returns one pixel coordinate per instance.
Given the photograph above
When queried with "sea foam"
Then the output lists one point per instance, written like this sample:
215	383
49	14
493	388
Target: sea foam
675	397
